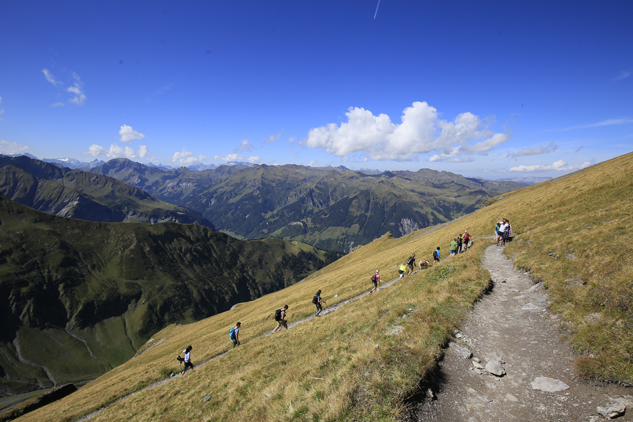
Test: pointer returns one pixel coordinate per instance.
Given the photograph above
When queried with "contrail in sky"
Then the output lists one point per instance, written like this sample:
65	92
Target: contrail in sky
377	6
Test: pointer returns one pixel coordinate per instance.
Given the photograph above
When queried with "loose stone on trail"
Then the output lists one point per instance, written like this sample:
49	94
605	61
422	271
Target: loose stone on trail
549	385
612	409
461	351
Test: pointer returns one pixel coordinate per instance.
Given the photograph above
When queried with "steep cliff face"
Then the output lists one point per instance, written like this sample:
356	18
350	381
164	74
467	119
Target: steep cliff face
77	297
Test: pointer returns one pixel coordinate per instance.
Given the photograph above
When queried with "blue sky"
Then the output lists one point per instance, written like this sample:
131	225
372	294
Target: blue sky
487	89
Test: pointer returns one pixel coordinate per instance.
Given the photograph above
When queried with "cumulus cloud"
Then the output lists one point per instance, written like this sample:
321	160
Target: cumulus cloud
187	157
421	132
272	138
7	147
535	151
115	151
229	157
559	165
57	104
253	159
244	145
143	151
76	89
127	134
49	77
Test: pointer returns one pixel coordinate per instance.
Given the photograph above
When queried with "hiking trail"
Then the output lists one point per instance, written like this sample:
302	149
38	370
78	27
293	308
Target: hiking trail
510	330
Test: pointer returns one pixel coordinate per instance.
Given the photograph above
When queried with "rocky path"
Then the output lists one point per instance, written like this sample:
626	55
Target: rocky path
510	333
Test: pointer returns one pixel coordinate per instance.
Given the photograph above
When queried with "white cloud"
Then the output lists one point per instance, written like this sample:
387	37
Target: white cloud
559	165
1	111
421	131
7	147
292	139
272	138
245	145
127	134
96	150
253	159
609	122
230	157
57	104
623	75
49	77
143	151
535	151
187	157
115	151
76	89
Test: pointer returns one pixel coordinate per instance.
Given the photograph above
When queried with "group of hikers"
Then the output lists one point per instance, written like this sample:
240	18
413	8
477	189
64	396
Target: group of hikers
458	245
503	232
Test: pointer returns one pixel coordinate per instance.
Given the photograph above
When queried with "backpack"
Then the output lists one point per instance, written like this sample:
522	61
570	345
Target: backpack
278	315
435	254
232	333
315	300
373	278
411	260
466	237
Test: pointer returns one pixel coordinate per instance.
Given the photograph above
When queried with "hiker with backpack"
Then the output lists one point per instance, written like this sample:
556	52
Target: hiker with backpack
376	280
502	235
280	317
411	263
234	334
460	242
186	360
318	301
466	240
436	255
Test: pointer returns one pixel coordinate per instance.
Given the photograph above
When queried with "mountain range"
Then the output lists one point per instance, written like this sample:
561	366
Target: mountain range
330	208
87	196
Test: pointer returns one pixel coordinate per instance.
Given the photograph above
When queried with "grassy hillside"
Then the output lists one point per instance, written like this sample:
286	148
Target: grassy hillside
331	208
79	194
78	298
571	232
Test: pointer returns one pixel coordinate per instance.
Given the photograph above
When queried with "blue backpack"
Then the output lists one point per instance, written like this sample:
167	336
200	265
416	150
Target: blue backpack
232	334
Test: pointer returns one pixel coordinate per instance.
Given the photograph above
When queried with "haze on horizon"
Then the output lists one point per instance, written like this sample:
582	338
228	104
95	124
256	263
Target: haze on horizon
490	90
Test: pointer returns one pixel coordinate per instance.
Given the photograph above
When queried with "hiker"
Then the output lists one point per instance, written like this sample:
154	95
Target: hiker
460	242
411	263
318	301
453	247
497	231
376	280
234	334
280	317
436	255
503	226
466	240
402	270
187	360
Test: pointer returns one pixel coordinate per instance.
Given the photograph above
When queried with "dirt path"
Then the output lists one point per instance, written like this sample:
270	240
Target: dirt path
513	326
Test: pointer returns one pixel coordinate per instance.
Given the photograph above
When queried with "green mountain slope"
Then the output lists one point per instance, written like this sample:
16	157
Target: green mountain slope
78	298
83	195
336	209
364	361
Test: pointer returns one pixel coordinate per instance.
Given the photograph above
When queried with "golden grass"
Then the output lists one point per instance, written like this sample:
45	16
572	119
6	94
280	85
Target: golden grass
344	366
